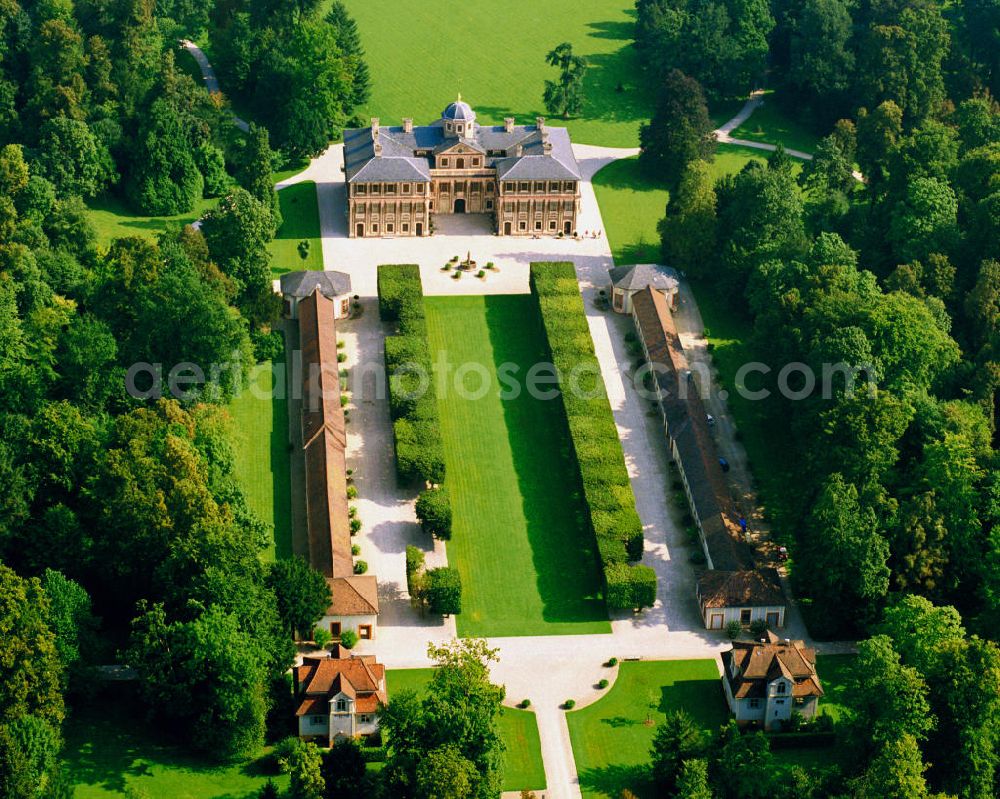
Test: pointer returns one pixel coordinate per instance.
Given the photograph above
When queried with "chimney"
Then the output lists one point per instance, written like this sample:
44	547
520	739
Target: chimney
374	127
788	642
518	150
378	148
408	125
508	124
540	123
546	144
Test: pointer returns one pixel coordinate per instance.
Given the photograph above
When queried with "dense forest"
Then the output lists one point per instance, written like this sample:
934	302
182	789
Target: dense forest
123	534
880	255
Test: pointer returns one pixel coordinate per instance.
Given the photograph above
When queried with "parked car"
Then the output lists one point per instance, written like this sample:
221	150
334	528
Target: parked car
710	419
782	554
724	464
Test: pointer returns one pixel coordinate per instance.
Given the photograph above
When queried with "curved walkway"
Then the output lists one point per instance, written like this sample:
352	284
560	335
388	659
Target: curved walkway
208	75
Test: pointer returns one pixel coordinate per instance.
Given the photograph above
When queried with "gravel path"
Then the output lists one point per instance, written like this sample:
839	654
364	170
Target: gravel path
208	75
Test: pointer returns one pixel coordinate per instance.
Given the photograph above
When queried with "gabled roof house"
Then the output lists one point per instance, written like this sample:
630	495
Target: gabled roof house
338	696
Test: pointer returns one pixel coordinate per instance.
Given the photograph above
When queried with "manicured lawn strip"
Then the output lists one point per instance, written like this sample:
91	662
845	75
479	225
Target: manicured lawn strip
507	78
610	737
519	534
607	491
834	671
110	746
769	123
259	435
523	760
299	222
632	205
112	219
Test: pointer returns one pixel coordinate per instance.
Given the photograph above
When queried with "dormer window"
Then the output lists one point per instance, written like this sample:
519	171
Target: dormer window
341	705
780	688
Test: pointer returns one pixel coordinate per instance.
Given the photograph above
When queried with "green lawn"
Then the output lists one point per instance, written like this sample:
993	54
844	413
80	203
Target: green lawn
834	671
769	123
259	434
299	222
112	219
520	539
632	204
523	761
110	746
507	78
611	738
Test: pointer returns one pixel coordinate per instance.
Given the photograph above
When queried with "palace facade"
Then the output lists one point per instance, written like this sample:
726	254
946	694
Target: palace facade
525	177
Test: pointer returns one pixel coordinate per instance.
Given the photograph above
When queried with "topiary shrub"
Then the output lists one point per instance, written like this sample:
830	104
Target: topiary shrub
444	591
348	639
734	630
355	526
602	684
758	627
569	704
360	567
612	662
352	492
321	637
524	704
355	550
434	512
398	285
629	587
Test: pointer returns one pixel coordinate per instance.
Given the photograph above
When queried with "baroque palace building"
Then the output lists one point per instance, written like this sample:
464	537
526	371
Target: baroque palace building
525	177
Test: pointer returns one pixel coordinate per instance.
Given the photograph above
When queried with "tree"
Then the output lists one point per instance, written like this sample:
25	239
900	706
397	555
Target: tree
678	740
692	782
72	621
845	551
820	58
29	758
73	158
255	171
444	591
344	770
349	41
444	773
680	131
896	772
304	90
982	304
565	95
207	676
925	221
919	629
459	710
302	594
305	773
745	766
434	512
688	231
30	679
163	178
888	699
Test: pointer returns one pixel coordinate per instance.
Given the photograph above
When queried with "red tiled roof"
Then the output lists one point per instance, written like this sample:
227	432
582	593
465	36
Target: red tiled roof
319	679
720	589
755	664
353	596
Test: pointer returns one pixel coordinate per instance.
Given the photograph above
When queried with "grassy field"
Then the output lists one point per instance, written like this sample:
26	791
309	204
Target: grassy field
611	738
259	434
110	746
299	222
506	78
632	204
523	761
112	219
519	538
769	123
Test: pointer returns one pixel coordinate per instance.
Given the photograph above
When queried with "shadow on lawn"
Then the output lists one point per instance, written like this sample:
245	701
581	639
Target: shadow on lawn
281	473
563	549
612	780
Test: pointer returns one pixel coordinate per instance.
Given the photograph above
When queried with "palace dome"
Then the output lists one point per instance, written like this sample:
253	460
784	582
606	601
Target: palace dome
460	111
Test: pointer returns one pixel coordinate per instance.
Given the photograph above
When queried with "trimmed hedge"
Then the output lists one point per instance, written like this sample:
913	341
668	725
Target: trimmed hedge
434	512
594	436
412	402
444	591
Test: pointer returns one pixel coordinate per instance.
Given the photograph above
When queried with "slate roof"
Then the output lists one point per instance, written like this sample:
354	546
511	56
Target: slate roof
409	156
319	679
751	665
459	110
639	276
687	426
303	283
740	589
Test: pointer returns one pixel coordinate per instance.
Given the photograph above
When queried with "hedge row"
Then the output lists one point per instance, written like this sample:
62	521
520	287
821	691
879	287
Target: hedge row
594	436
412	402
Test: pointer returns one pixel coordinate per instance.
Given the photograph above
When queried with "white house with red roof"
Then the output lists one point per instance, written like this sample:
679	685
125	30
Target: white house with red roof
338	696
766	681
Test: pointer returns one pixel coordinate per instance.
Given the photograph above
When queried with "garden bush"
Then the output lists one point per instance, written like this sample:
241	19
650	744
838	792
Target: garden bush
434	512
569	704
524	704
758	627
444	591
594	436
412	402
348	639
360	567
734	629
602	684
